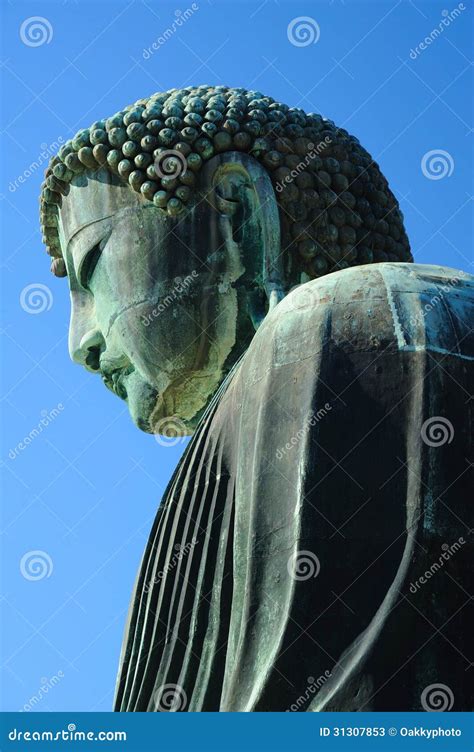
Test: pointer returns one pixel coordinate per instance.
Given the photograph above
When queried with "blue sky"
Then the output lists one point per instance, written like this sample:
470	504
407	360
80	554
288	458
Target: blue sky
85	490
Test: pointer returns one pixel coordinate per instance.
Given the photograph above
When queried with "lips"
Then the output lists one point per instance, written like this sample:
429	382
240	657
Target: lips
114	380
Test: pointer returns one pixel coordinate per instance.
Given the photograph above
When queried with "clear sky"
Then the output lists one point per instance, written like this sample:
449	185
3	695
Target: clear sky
84	491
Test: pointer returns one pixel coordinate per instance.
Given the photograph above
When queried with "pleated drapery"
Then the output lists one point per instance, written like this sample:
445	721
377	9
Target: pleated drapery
283	568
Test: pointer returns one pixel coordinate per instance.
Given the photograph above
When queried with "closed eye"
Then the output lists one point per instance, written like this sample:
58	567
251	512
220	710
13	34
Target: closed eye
89	263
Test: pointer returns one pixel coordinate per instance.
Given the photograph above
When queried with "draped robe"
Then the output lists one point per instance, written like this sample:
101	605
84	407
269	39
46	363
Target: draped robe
328	475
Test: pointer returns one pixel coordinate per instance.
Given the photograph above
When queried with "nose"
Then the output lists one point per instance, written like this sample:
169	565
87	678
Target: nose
86	342
88	352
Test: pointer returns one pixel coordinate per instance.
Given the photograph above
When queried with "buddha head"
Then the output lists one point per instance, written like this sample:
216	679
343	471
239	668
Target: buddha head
184	218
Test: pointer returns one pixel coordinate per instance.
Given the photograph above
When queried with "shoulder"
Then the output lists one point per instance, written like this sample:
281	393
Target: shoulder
378	306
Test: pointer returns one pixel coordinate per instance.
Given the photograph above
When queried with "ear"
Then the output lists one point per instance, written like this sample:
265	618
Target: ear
241	193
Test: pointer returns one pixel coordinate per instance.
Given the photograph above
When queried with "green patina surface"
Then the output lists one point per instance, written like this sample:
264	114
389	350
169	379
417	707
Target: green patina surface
186	224
335	206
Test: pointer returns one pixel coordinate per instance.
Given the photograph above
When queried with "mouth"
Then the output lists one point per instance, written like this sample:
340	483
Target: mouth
114	380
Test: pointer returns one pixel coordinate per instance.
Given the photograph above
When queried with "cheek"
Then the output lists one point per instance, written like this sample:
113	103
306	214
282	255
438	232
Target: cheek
158	337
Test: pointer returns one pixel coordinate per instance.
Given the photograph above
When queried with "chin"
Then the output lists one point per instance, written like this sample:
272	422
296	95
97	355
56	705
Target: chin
142	398
173	410
150	413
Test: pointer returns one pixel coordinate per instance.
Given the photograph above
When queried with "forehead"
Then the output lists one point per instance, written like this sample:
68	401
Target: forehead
98	204
94	196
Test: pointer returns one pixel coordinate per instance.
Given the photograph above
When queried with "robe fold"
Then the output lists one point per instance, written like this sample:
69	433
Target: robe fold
311	551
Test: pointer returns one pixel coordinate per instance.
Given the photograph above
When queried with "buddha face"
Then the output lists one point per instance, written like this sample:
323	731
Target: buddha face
153	309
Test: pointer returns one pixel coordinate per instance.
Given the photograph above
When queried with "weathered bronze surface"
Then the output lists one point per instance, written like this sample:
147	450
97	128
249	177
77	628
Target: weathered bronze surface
311	458
328	469
336	208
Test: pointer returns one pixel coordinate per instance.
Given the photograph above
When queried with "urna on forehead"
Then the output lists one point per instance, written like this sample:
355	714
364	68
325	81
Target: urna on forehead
336	209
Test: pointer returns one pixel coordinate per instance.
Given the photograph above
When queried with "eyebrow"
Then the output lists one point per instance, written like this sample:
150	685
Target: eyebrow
88	224
70	252
118	211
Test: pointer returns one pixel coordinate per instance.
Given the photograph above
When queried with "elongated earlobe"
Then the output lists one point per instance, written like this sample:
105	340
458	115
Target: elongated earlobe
241	193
